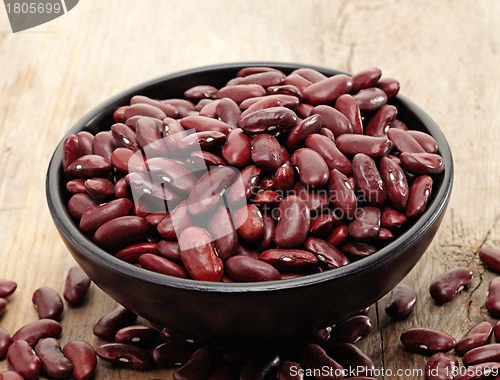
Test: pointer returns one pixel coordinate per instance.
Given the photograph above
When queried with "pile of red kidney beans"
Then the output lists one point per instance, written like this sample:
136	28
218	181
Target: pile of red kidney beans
270	177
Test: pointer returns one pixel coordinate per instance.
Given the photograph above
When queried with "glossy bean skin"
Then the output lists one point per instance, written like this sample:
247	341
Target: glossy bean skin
441	366
83	357
125	160
76	286
266	199
348	106
125	355
368	179
326	252
389	85
246	269
267	237
124	136
291	260
321	225
198	92
490	257
107	326
10	375
71	151
366	224
482	354
228	111
95	216
312	168
294	223
403	299
78	203
254	70
478	335
391	218
201	158
333	157
249	223
306	127
266	152
243	188
162	265
170	126
148	137
351	357
184	107
222	230
366	78
369	145
104	144
426	340
311	75
327	90
259	366
493	299
85	140
256	104
287	368
314	356
171	174
237	149
395	183
121	232
54	363
138	335
351	330
239	93
198	255
48	303
206	140
7	287
173	352
171	227
338	235
420	192
357	250
425	140
422	163
169	250
380	122
34	331
5	341
404	141
447	285
370	99
205	124
342	194
199	367
132	253
144	109
262	120
88	166
333	120
76	186
23	360
100	189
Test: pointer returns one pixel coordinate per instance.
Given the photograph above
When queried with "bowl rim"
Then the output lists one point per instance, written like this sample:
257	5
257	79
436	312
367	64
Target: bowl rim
98	256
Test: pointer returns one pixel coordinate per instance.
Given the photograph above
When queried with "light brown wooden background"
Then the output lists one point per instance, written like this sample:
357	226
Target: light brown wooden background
446	55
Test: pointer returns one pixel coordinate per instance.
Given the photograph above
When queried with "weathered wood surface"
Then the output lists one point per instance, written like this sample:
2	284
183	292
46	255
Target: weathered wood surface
445	53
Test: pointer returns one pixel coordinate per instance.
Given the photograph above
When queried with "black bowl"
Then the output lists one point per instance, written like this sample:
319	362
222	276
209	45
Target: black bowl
278	308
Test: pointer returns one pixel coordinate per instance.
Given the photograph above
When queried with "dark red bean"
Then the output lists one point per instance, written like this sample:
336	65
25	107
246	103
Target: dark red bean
125	355
370	99
369	145
88	166
259	366
124	136
107	326
384	235
268	119
249	223
379	123
441	367
404	142
169	110
266	152
171	227
478	335
85	140
256	104
100	189
326	252
76	286
104	144
493	300
169	250
7	287
267	237
83	357
368	179
196	93
311	75
391	218
315	357
285	89
80	202
294	223
403	299
352	358
348	106
10	375
5	341
223	233
121	232
71	151
205	124
338	235
427	341
48	303
482	354
132	253
54	363
365	78
23	360
173	353
389	86
236	151
422	163
299	133
291	260
312	168
206	140
447	285
95	216
490	257
333	157
266	199
245	269
34	331
351	330
76	186
198	255
151	192
240	92
395	183
183	107
199	367
170	126
119	114
321	225
288	370
366	224
143	336
496	331
265	79
244	186
357	250
420	192
304	110
333	120
342	194
254	70
144	109
125	160
228	111
425	140
327	90
162	265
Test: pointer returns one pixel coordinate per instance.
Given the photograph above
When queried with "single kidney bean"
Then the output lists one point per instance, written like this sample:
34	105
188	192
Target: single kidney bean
173	353
369	145
143	336
425	140
205	124
100	189
199	367
170	127
169	250
245	269
391	218
304	110
420	192
76	186
403	299
183	106
237	151
201	159
333	120
422	163
171	227
198	255
249	223
254	70
76	286
71	151
285	89
342	194
404	141
5	341
311	166
121	232
119	114
144	109
268	119
3	305
326	253
311	75
294	223
48	303
7	287
306	127
490	257
321	225
228	111
338	235
240	92
95	216
207	107
426	340
223	233
104	144
482	354
147	191
395	183
23	360
256	104
259	366
389	86
124	136
333	157
85	140
356	250
54	363
267	237
351	330
266	198
493	300
160	264
107	326
125	160
327	90
315	357
366	224
352	358
289	259
265	79
10	375
370	99
446	286
169	110
88	166
316	200
78	203
379	123
245	185
368	179
266	152
441	366
132	253
148	136
206	140
477	336
125	355
366	78
198	92
348	106
83	357
34	331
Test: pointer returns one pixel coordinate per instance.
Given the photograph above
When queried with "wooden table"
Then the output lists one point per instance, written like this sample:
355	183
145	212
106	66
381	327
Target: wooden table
446	55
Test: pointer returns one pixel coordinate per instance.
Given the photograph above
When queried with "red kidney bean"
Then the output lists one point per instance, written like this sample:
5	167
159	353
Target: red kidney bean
259	366
395	183
34	331
391	218
289	259
266	198
169	250
403	299
171	227
76	186
170	127
304	110
78	203
348	106
206	194
168	109
245	185
240	92
326	252
199	367
351	330
267	237
83	357
249	223
201	159
447	285
266	182
330	153
404	142
104	144
256	104
143	336
245	269
54	363
288	370
119	114
352	358
254	70
5	341
124	136
107	326
145	109
425	140
7	287
205	124
95	216
370	99
10	375
100	189
268	119
366	224
420	192
369	145
76	286
173	353
121	232
389	86
327	90
206	140
441	367
327	133
3	305
493	300
342	194
162	265
368	179
198	255
125	160
265	79
321	225
311	75
294	223
306	127
284	89
48	303
338	235
223	233
482	354
315	357
71	151
236	151
379	123
266	152
196	93
23	360
184	107
243	250
132	253
311	166
357	250
422	163
426	340
228	111
490	257
333	120
477	336
125	355
151	193
85	140
89	166
366	78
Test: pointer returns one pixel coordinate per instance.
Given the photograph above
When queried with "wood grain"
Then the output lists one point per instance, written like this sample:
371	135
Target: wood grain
445	53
